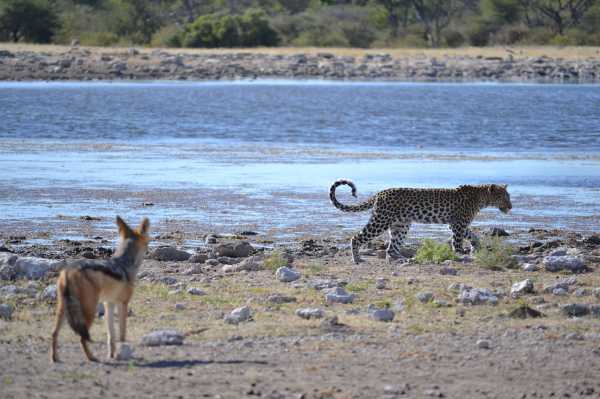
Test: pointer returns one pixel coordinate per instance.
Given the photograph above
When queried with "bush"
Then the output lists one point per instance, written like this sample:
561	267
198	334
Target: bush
509	35
431	251
167	36
256	30
453	38
28	20
275	261
478	32
101	39
495	254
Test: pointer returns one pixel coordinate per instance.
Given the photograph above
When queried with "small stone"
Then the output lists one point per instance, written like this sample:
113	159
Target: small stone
522	287
198	258
210	239
567	262
484	344
239	249
287	275
212	262
581	292
168	280
458	287
162	337
238	315
380	314
559	252
560	292
195	291
310	313
596	292
49	293
424	297
169	254
124	351
440	303
477	296
339	295
498	232
562	284
179	306
380	283
9	291
251	264
6	311
575	310
448	271
530	267
524	312
574	337
279	299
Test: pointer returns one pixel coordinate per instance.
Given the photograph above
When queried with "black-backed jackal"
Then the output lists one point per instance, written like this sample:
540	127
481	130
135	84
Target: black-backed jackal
83	283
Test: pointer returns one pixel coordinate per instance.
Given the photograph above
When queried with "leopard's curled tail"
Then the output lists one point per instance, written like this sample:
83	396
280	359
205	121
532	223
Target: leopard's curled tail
349	208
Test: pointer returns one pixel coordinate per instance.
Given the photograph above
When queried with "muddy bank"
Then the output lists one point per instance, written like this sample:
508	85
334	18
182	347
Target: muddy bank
79	64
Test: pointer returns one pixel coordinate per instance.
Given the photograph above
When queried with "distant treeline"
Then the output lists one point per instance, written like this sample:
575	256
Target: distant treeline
323	23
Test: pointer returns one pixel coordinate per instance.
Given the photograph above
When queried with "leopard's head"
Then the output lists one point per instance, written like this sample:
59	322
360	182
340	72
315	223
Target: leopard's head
499	197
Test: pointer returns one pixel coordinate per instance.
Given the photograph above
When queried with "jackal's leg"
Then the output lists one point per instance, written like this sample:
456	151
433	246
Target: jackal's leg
60	318
109	315
123	322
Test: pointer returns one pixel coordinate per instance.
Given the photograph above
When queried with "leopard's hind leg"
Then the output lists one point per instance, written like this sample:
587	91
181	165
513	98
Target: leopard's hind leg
397	232
376	225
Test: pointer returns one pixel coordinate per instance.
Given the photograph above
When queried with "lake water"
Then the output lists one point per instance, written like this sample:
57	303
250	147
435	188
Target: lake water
260	155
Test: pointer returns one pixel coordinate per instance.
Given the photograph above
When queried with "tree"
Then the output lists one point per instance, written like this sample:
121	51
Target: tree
562	14
435	16
27	20
397	10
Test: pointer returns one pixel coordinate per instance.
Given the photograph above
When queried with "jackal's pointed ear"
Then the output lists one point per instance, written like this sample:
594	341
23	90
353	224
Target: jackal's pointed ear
145	226
124	230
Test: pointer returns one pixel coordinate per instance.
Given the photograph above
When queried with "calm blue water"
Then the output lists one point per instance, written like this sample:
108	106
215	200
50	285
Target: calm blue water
262	154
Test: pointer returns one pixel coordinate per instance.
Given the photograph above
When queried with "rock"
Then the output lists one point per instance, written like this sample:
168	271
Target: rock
458	287
560	292
380	314
574	337
581	292
210	239
168	280
212	262
441	303
338	295
251	264
195	269
521	288
477	296
380	283
238	315
498	232
286	275
560	284
125	351
530	267
596	292
195	291
484	344
6	54
198	258
225	260
593	240
524	312
13	267
575	310
133	51
559	252
310	313
279	299
239	249
448	271
162	337
9	291
179	306
595	311
320	284
424	297
169	254
6	311
566	262
49	293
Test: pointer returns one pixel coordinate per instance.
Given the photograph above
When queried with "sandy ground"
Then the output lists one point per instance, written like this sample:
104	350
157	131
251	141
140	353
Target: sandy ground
428	350
567	53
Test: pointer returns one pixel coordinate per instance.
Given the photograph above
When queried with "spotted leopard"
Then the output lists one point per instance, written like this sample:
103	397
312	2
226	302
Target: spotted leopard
395	209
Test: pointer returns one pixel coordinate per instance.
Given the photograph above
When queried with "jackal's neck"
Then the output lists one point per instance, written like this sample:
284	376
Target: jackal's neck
128	257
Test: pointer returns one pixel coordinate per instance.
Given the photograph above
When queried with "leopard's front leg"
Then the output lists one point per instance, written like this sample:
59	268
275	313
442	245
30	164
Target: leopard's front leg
473	239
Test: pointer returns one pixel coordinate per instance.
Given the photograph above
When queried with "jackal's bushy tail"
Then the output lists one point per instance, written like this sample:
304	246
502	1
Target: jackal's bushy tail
348	208
74	312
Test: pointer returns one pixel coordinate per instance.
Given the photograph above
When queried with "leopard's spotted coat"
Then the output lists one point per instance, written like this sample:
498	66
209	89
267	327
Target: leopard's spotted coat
395	209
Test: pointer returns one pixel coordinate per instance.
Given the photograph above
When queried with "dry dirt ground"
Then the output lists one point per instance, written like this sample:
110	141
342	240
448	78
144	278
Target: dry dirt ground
426	351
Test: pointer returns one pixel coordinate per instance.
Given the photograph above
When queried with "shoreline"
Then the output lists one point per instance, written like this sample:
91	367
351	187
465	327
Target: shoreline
521	65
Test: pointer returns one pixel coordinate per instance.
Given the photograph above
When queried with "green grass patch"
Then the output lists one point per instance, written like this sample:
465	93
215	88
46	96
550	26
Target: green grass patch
275	261
358	287
432	251
495	254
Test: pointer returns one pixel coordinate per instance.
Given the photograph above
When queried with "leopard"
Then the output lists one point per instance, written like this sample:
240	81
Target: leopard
395	209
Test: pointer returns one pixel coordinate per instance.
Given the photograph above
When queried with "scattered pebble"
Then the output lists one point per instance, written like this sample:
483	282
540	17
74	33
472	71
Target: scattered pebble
169	254
310	313
195	291
339	295
575	310
238	315
49	294
240	249
251	264
484	344
560	291
6	311
448	271
125	351
198	258
381	283
566	262
278	299
162	337
380	314
441	303
477	296
179	306
530	267
424	297
522	287
287	275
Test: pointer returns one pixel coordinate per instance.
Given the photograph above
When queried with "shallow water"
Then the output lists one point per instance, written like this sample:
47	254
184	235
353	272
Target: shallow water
262	154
